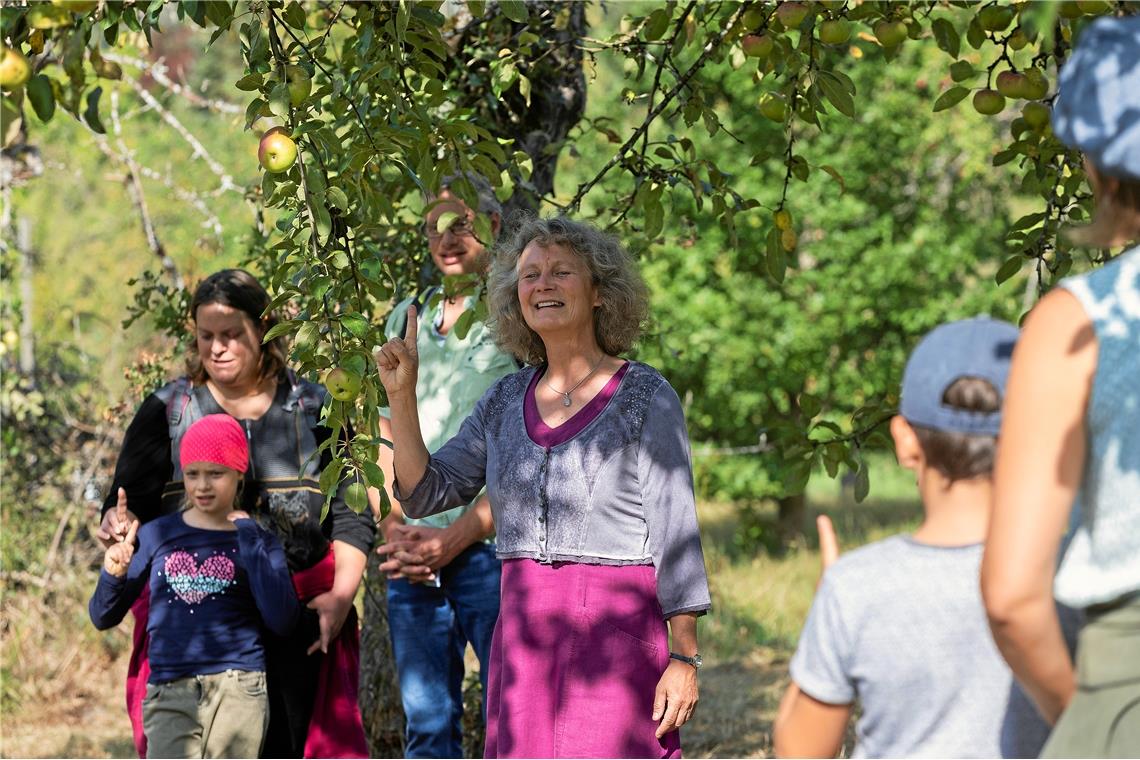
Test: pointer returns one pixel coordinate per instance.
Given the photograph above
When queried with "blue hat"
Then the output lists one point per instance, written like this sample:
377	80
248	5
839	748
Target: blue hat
1098	96
979	347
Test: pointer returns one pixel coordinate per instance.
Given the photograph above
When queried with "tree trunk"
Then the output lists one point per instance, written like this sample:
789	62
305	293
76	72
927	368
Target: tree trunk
379	690
791	517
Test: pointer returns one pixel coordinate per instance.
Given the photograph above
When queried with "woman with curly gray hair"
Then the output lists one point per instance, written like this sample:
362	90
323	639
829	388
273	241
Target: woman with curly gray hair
585	457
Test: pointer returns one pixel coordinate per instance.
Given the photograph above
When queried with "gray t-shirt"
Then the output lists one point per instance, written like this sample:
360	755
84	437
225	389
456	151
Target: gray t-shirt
900	626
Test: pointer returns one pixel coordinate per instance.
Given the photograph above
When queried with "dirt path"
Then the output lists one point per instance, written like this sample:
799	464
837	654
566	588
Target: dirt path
734	718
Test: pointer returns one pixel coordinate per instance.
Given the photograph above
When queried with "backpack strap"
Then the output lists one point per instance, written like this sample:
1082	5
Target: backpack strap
305	398
176	396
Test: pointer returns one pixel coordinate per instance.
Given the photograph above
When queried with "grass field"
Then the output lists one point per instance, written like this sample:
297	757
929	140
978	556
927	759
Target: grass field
62	681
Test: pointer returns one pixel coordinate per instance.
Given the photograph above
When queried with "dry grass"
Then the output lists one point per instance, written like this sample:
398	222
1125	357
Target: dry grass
62	690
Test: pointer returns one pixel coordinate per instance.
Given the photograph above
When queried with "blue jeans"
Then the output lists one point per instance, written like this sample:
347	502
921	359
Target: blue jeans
430	630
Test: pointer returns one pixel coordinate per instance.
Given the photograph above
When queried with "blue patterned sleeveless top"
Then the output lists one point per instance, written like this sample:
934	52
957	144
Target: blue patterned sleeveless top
1102	562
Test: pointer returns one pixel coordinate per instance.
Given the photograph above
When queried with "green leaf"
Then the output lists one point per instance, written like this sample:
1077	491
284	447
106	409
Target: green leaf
337	198
835	175
837	94
279	100
975	35
253	111
515	10
307	337
356	324
91	115
323	222
950	98
330	476
373	475
1005	156
961	71
356	497
464	323
776	260
281	328
219	12
249	82
294	16
39	93
862	482
654	217
946	36
1008	269
657	24
477	7
810	406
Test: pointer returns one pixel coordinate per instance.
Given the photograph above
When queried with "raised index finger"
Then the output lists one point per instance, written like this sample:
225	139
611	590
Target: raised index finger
121	508
412	328
828	541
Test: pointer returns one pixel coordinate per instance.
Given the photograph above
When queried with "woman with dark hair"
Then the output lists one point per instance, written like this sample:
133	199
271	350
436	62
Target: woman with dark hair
585	458
313	674
1070	438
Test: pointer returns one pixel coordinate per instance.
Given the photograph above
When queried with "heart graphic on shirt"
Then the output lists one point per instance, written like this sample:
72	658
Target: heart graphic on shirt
193	582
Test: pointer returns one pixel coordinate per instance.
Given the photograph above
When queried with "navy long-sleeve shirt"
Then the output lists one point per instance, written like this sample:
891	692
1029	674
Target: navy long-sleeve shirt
210	593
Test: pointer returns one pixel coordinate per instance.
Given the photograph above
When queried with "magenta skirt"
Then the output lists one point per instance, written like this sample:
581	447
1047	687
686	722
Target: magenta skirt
575	660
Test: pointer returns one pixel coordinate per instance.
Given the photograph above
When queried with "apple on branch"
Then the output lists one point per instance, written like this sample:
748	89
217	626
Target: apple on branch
277	152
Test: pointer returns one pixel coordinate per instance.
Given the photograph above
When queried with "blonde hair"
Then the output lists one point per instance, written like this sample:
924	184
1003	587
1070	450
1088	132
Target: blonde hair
624	308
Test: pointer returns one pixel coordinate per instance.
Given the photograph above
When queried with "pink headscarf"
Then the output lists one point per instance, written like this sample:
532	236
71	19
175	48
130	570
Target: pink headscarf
216	438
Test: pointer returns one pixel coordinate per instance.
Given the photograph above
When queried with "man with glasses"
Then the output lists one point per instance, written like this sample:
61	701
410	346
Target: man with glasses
444	587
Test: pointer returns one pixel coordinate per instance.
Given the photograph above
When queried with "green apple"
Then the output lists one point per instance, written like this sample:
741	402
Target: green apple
791	14
757	45
277	152
1036	115
15	70
1018	40
773	107
835	31
46	16
342	384
753	18
1036	84
1011	84
890	33
76	6
994	18
300	84
989	102
1094	7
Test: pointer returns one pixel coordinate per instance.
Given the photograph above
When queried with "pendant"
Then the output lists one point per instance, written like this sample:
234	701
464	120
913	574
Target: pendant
565	399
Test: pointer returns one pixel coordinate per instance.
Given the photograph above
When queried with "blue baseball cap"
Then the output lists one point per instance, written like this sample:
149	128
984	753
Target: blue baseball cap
1098	96
980	347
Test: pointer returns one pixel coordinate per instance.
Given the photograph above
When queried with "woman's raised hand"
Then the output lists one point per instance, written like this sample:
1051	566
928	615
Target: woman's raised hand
398	360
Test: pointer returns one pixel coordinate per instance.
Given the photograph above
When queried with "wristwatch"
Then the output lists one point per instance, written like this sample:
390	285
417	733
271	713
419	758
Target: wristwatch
696	660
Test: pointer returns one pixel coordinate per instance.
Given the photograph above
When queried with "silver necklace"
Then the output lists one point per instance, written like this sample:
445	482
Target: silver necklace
566	394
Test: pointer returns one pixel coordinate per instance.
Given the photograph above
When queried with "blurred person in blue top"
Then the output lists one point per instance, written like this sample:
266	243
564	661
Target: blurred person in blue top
899	625
1071	436
215	578
443	591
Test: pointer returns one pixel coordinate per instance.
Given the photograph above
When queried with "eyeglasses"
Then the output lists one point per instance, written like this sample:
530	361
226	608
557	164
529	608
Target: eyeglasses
461	227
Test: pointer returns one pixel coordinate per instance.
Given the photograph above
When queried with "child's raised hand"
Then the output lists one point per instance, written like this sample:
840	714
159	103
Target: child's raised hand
238	514
118	556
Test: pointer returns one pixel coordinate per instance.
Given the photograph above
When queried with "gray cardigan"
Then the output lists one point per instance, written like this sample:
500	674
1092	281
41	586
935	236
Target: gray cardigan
620	492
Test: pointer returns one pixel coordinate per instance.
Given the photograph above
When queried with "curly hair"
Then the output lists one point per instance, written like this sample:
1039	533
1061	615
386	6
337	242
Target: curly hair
240	290
624	308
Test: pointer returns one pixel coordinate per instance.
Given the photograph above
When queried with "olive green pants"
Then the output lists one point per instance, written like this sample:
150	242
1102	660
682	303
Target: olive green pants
1103	719
216	715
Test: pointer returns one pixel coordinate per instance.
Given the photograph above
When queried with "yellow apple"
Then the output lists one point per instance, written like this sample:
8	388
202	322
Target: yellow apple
15	70
277	152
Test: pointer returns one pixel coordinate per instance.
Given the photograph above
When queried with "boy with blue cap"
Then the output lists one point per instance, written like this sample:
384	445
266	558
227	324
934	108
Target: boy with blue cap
899	625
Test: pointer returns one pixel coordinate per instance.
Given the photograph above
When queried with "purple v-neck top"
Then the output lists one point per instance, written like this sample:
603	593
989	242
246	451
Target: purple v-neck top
549	437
